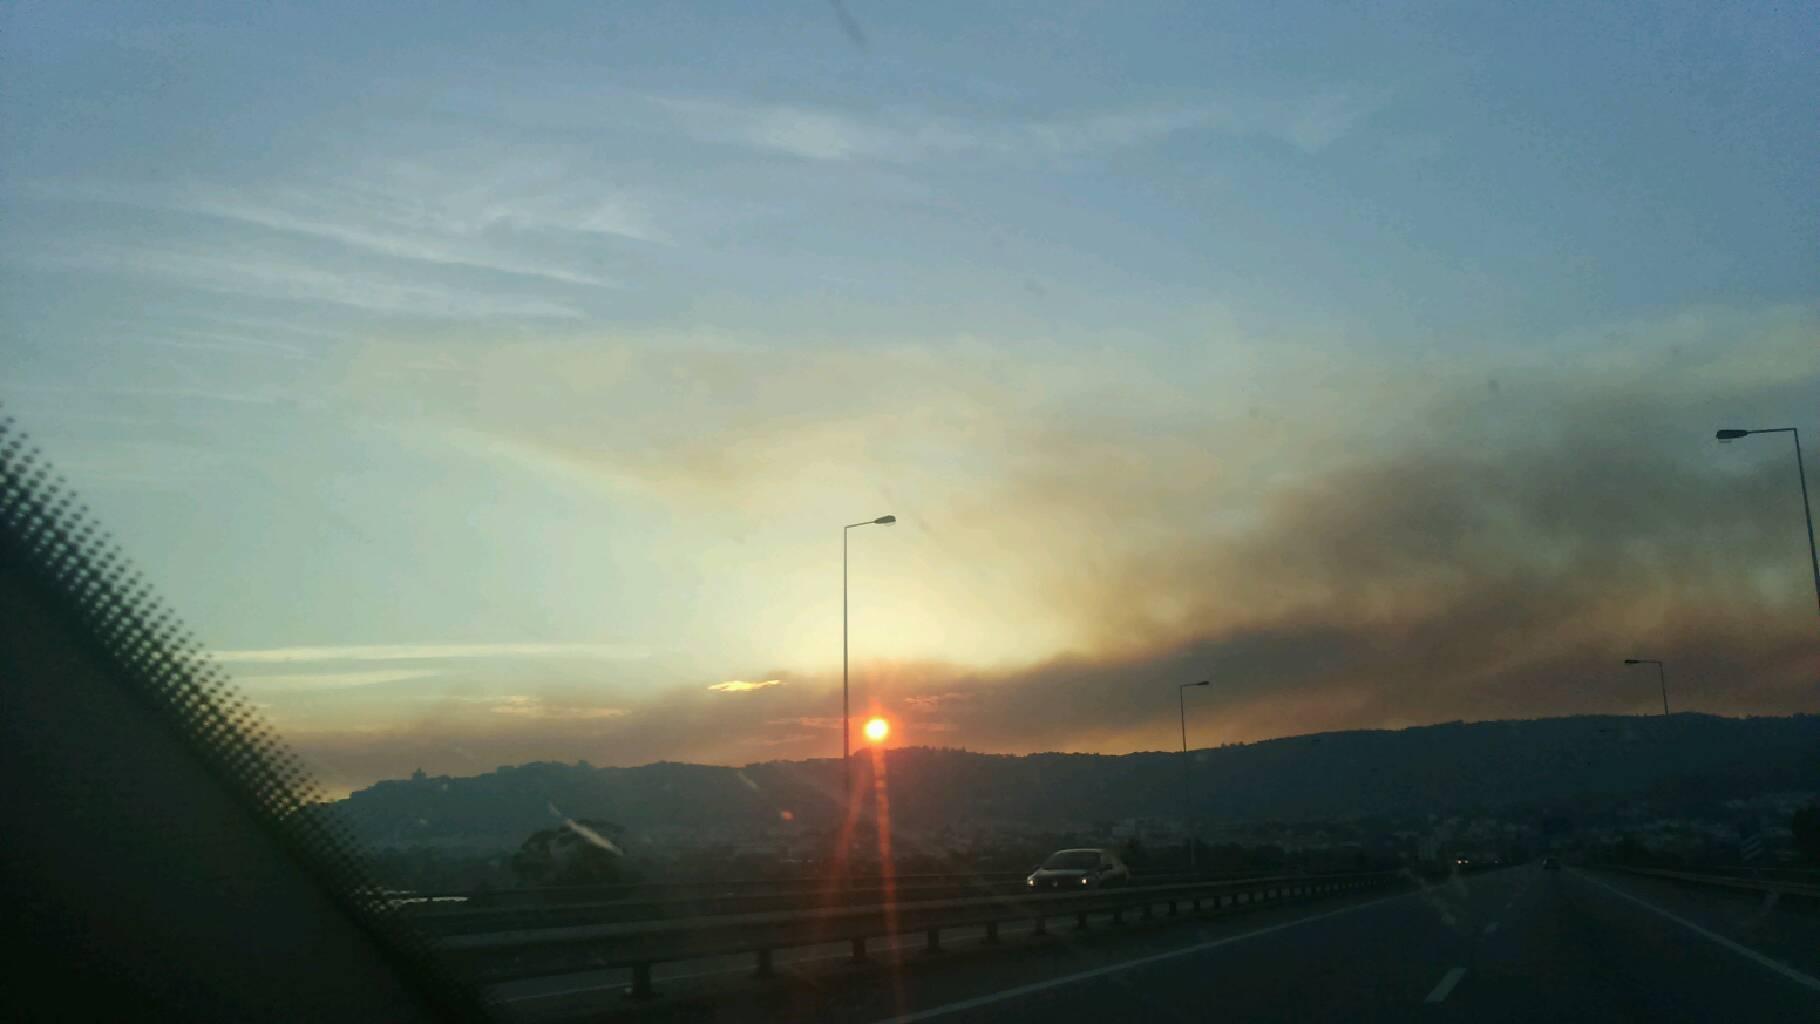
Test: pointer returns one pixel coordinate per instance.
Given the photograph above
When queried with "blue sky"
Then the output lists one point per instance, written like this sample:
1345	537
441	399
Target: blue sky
496	379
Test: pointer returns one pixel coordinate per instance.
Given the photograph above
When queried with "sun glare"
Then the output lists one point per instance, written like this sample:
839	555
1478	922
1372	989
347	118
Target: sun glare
877	729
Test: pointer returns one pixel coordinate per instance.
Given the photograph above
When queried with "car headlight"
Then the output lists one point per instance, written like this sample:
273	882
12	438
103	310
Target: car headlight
1083	879
1030	881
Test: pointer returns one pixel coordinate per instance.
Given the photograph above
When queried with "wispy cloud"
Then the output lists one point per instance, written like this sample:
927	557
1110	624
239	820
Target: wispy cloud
1315	122
420	652
316	216
482	191
742	686
930	701
332	680
228	344
808	722
263	272
538	707
1310	123
267	396
487	217
818	133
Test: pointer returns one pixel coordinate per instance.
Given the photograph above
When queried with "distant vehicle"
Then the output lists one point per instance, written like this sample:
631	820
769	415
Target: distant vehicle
1550	864
1086	868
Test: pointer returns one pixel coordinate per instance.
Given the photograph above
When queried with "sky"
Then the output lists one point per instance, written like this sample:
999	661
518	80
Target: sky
484	383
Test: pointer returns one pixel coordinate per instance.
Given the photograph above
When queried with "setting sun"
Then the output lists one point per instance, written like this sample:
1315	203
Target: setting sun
877	729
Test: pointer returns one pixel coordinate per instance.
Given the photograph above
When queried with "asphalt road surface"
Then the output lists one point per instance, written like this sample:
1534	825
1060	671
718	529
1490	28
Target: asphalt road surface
1520	944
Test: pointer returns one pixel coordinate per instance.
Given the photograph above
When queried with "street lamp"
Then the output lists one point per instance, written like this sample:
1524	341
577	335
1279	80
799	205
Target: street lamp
846	727
1661	675
1194	854
1732	434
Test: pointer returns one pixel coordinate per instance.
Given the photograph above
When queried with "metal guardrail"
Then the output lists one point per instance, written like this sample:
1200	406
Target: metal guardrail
500	956
448	919
712	900
1808	890
667	890
614	891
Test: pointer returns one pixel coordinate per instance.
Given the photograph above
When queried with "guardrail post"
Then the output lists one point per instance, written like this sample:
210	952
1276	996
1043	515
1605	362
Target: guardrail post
1042	926
991	933
641	982
1080	920
859	950
1118	915
764	964
1147	913
935	940
1171	908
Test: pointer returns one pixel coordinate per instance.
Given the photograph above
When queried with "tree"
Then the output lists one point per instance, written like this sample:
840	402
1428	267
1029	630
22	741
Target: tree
574	853
1805	824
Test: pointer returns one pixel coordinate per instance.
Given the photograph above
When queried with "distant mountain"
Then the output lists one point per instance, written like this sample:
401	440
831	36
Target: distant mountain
1439	769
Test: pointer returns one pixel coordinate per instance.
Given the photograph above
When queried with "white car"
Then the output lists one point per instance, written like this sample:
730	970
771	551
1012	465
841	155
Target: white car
1083	868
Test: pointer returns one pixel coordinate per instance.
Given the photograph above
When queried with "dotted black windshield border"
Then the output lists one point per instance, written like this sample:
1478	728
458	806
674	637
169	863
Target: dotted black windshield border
55	540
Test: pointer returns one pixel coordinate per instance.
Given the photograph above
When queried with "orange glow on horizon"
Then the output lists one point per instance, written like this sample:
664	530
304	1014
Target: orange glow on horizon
877	729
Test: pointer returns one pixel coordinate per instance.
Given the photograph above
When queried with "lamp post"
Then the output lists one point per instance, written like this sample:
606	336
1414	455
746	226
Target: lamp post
1813	557
846	727
1194	853
1661	675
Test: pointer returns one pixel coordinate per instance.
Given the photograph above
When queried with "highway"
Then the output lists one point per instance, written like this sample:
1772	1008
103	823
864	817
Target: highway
1520	944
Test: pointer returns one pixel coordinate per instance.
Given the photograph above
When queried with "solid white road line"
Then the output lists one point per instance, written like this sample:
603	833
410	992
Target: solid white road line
1101	972
1446	984
1778	966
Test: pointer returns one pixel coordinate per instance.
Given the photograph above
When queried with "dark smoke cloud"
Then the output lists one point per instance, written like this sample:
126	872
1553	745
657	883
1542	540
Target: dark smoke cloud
1433	584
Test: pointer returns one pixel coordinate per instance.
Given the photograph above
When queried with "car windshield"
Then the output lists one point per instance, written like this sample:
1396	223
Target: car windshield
653	484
